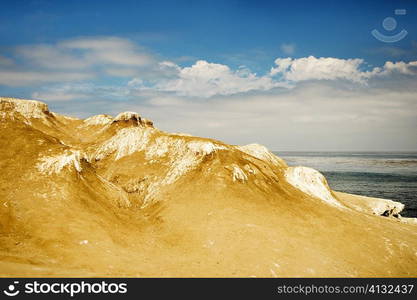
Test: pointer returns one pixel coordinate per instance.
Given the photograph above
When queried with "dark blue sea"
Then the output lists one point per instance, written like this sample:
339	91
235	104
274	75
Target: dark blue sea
388	175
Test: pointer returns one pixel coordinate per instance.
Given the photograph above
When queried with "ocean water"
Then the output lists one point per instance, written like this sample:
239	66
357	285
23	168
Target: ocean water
389	175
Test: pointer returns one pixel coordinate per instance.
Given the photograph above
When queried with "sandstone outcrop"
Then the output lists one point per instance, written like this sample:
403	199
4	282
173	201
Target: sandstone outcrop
117	196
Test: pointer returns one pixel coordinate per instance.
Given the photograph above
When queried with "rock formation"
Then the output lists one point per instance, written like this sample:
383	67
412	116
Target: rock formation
118	197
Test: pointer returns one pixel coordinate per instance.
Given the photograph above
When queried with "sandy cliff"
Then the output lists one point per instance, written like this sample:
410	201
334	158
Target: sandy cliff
118	197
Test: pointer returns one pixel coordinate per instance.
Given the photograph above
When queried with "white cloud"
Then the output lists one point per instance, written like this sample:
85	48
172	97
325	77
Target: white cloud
355	116
288	49
207	80
323	68
399	67
329	68
321	97
204	79
72	62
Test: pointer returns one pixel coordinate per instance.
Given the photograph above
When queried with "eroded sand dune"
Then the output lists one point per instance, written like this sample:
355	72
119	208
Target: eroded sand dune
117	197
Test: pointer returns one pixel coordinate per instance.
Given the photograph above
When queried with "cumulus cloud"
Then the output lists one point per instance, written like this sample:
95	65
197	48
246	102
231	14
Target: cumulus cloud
204	79
207	80
398	67
305	100
243	106
97	58
323	68
329	68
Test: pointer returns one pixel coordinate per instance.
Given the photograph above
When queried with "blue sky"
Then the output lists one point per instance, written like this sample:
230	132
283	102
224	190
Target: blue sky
219	61
212	30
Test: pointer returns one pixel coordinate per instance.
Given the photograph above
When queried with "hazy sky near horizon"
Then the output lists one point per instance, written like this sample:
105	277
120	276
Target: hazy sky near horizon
293	75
